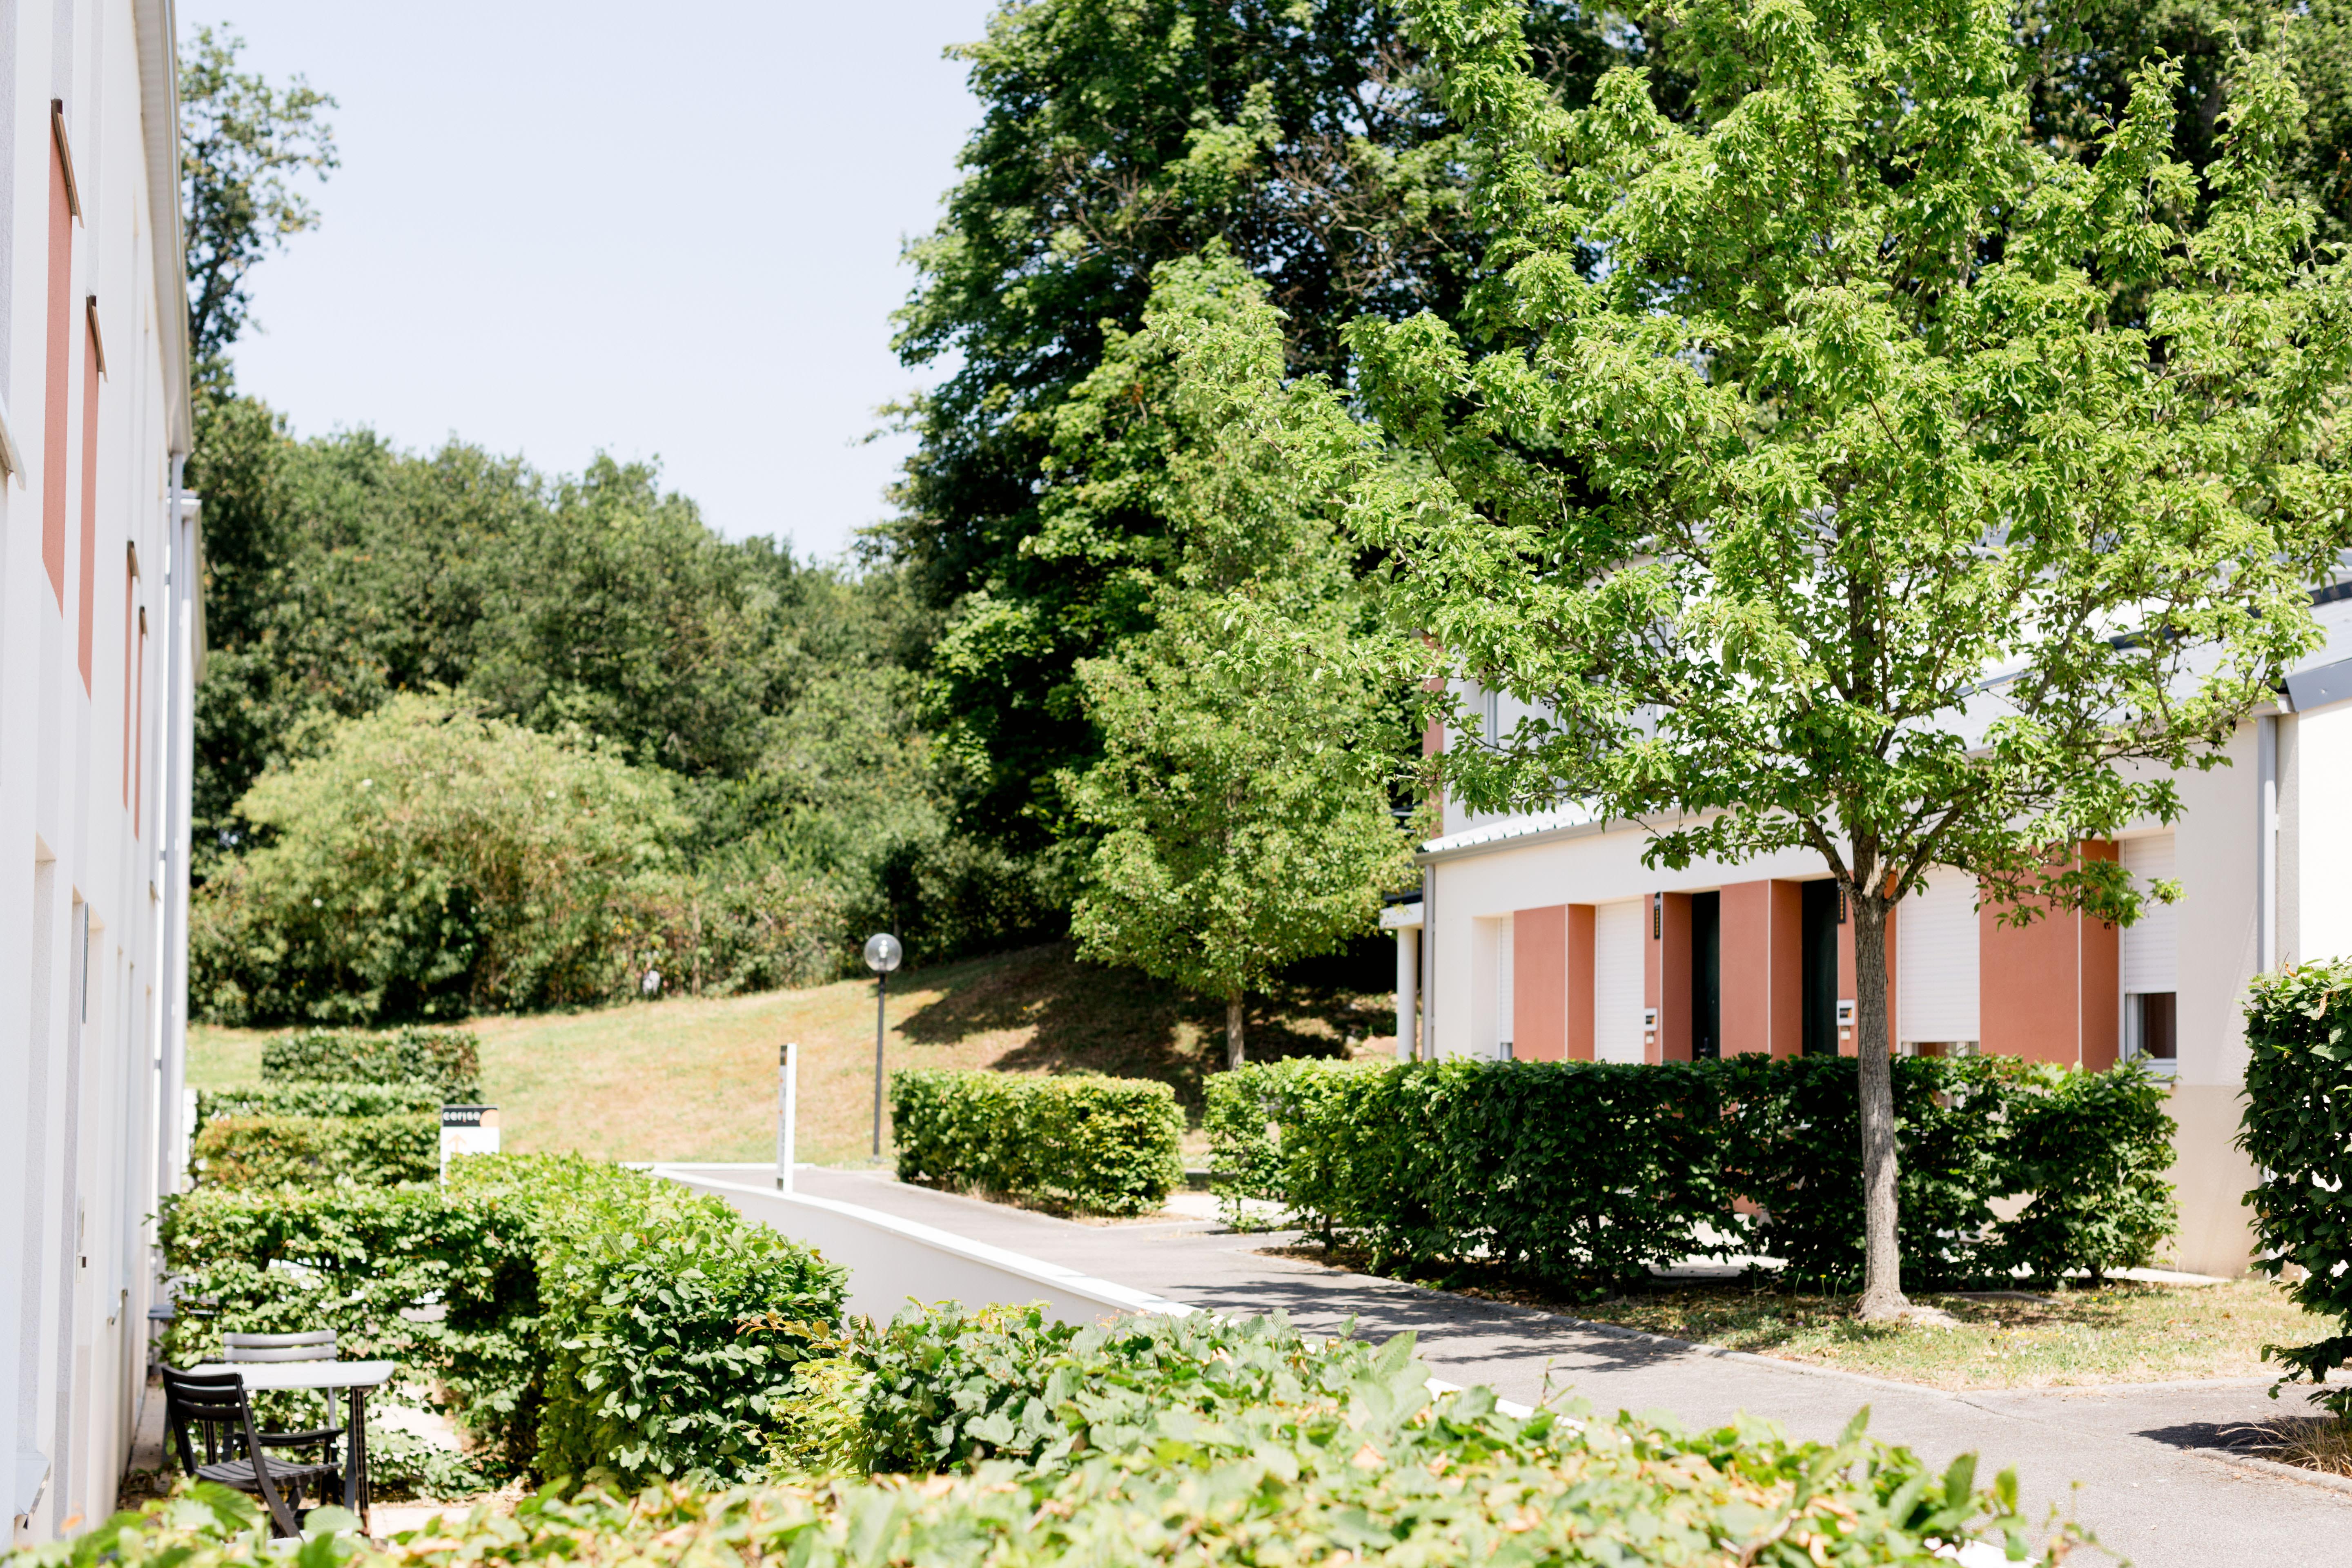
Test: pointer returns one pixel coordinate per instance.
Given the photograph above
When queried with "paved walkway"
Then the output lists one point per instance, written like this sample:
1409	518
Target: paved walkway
2145	1466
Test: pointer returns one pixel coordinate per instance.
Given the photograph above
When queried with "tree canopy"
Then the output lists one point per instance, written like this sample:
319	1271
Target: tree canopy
1843	466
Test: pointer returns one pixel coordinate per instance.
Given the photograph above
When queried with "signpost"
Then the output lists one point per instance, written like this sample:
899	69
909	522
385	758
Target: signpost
467	1130
787	1112
882	955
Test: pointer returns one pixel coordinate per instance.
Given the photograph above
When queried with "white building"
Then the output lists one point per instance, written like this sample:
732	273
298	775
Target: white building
100	636
1545	937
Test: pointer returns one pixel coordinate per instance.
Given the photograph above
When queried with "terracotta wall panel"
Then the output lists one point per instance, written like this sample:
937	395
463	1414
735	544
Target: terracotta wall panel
1578	1036
1748	977
1788	957
1539	985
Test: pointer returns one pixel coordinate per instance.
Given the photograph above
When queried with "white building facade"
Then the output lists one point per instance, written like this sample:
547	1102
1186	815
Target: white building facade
100	637
1545	937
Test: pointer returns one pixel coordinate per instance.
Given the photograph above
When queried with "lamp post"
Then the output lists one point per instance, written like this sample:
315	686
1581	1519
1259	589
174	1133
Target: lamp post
882	955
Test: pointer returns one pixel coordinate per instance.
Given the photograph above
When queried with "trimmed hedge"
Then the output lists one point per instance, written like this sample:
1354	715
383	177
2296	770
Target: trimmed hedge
1094	1144
591	1314
2297	1130
1582	1173
245	1152
447	1059
317	1099
1209	1443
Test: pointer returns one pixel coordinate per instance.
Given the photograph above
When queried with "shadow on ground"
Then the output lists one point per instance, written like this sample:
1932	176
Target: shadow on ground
1087	1017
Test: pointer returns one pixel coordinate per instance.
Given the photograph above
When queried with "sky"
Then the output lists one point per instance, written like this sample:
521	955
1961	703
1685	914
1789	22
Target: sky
663	232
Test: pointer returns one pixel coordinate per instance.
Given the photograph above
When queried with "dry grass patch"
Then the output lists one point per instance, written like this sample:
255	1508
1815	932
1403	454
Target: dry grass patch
2123	1331
695	1078
2319	1443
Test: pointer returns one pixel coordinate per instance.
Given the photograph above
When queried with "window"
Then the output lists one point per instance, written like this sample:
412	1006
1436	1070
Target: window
2151	1029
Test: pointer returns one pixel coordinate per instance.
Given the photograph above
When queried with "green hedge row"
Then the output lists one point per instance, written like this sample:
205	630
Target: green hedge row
589	1321
250	1152
1210	1444
1581	1173
1096	1145
317	1099
2297	1129
447	1059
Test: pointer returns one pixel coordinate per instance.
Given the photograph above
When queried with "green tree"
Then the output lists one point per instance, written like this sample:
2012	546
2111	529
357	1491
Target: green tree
1115	135
243	145
430	861
1249	736
1844	466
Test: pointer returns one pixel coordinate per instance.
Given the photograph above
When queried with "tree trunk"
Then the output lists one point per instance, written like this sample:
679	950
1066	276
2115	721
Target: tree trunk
1234	1054
1881	1282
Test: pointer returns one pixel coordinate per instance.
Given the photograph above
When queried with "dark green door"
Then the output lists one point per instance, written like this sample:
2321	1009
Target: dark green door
1820	963
1706	976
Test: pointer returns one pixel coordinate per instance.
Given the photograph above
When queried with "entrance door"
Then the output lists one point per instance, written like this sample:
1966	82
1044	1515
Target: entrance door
1706	976
1819	960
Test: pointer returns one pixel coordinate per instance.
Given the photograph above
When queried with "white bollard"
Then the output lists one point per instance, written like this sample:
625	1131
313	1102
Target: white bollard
787	1111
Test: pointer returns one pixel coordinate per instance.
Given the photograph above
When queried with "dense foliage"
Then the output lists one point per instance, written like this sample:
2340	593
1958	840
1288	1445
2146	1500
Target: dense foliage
446	1060
318	1100
589	1314
1080	1141
247	1151
1212	1443
1580	1174
1249	736
2297	1130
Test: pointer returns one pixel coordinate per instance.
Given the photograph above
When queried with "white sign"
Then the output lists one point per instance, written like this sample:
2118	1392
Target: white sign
467	1130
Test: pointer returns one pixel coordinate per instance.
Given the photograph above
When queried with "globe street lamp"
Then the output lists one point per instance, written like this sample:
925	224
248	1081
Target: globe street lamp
882	955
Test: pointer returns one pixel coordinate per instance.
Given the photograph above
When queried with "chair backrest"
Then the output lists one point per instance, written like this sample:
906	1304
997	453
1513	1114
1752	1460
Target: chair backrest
317	1344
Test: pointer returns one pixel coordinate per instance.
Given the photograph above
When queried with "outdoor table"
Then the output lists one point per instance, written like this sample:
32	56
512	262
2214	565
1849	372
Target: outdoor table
358	1376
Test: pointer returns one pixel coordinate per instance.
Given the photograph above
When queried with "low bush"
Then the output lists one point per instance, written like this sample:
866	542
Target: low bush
1579	1173
530	1350
317	1099
1219	1443
244	1151
2297	1130
447	1060
1098	1145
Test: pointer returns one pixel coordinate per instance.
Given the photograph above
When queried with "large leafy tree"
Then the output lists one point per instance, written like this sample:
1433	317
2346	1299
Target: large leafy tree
1117	134
1248	736
1843	466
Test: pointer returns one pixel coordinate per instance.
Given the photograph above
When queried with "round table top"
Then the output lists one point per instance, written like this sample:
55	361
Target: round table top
280	1374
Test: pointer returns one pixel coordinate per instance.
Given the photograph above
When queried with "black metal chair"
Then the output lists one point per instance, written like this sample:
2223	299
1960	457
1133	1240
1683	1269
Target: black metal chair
317	1344
235	1457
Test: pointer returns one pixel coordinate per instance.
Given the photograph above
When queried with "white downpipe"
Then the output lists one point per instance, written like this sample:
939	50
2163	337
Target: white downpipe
2266	792
175	838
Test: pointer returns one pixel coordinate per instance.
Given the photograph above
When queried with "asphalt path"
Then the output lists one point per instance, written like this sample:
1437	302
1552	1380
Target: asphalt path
2148	1466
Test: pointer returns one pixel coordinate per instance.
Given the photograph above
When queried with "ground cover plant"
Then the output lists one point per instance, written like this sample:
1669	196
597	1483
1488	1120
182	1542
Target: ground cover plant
447	1060
1082	1142
275	1152
1581	1175
316	1099
1213	1442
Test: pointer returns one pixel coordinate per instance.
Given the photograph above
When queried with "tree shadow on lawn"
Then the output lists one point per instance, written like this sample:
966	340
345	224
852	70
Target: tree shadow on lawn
1089	1018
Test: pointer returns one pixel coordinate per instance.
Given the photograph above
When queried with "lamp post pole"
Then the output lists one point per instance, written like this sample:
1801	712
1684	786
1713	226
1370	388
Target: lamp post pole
883	954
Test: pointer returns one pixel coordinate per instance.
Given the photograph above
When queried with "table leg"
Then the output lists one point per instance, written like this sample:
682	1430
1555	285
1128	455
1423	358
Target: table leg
355	1482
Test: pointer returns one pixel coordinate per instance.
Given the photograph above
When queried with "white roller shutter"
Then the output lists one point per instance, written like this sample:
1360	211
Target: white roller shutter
1617	933
1935	960
2151	954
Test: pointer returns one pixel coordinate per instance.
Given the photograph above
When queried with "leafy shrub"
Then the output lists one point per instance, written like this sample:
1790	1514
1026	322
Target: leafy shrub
656	1377
317	1099
2092	1149
1793	1149
247	1151
428	863
2297	1130
447	1060
1103	1145
1590	1172
1221	1443
526	1343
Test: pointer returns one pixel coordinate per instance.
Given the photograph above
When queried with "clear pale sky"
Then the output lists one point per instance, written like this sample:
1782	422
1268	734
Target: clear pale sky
664	231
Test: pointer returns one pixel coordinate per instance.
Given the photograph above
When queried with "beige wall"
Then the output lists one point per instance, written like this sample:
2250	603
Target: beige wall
2210	1177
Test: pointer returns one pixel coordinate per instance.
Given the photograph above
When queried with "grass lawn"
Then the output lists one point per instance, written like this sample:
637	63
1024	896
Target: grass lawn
2126	1331
695	1078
